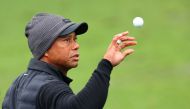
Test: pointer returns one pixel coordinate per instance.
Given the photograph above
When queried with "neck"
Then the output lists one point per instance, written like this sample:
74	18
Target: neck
63	70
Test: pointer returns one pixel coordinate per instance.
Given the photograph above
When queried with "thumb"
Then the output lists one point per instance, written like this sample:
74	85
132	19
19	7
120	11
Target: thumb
128	52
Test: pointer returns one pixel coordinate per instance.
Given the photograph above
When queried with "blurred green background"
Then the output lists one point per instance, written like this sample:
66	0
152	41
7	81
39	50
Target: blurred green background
156	76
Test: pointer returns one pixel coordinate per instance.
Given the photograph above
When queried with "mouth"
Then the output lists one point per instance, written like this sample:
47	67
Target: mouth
75	57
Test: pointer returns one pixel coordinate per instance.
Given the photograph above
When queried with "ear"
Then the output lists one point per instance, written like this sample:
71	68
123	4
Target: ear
46	54
44	57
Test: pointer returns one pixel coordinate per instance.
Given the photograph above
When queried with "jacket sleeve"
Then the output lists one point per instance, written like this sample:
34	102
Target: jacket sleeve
92	96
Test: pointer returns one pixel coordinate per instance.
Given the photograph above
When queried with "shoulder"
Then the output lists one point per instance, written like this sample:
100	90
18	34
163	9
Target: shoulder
40	76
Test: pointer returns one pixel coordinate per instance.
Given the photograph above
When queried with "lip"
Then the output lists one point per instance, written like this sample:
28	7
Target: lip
75	57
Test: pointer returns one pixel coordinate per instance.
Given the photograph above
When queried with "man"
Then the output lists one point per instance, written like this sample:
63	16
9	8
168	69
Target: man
52	40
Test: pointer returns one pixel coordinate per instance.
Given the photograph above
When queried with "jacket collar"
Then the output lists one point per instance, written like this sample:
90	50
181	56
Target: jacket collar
36	64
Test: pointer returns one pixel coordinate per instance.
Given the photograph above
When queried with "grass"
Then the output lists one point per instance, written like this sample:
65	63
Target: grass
156	76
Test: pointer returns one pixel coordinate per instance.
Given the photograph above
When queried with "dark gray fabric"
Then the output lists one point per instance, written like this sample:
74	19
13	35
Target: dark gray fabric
44	28
22	94
24	91
44	87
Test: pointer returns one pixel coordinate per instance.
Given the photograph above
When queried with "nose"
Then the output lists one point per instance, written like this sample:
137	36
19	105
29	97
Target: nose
76	46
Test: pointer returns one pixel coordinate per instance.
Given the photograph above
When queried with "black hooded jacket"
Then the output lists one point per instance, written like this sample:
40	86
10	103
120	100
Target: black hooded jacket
43	86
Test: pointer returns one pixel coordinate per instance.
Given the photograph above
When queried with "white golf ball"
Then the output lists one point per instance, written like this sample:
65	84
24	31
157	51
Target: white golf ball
138	22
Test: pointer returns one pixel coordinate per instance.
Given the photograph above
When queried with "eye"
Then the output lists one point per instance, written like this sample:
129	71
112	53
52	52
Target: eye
75	39
67	40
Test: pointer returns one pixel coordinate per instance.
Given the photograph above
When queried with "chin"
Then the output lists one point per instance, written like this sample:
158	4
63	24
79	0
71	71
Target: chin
74	66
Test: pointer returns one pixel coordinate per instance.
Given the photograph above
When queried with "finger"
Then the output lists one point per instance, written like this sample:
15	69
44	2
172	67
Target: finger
127	38
128	52
128	43
130	38
122	34
116	39
125	33
119	36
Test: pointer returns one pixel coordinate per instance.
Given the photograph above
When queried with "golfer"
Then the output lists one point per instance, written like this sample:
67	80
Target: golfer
52	39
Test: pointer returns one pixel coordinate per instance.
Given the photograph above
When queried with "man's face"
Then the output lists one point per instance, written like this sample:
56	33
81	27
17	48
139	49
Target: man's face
64	52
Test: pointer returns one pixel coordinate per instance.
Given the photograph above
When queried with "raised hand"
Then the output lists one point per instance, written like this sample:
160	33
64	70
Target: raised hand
114	52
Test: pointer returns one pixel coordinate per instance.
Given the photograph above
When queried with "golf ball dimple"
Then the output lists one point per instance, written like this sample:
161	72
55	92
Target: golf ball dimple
138	22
